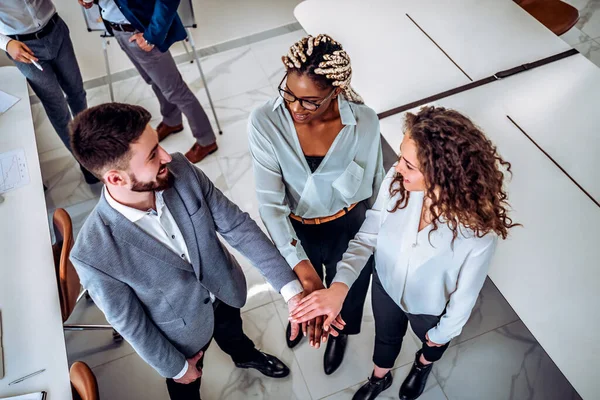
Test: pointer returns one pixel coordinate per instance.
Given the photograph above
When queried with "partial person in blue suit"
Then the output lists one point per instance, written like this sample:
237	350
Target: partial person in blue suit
145	30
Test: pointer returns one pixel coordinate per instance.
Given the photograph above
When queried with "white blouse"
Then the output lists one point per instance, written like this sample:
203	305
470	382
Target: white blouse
422	273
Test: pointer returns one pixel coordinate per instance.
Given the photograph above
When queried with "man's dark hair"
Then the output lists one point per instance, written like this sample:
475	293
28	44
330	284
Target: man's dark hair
101	135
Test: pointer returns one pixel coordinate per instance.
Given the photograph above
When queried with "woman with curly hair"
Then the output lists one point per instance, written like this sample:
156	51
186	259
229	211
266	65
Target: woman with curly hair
433	230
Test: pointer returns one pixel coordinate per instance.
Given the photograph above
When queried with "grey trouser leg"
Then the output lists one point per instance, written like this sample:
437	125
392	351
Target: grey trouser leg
175	97
61	74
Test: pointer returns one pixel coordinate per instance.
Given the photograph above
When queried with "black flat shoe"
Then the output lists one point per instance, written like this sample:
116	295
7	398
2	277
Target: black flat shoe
414	384
334	353
292	343
373	387
267	365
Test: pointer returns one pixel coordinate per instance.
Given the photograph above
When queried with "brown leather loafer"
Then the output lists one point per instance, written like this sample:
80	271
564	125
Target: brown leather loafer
198	153
165	130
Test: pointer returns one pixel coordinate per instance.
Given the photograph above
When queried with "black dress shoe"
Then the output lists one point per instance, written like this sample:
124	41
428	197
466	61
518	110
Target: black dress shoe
414	384
373	387
90	179
268	365
292	343
334	353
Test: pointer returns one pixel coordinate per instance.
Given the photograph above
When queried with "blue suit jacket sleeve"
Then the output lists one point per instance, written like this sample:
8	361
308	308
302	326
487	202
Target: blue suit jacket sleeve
165	12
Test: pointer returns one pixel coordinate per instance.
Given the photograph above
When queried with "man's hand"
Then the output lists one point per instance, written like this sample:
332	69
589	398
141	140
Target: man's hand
141	42
292	303
192	372
86	5
20	52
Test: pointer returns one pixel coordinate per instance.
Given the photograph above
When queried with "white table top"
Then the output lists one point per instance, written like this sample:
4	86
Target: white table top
546	270
558	106
31	320
395	63
484	36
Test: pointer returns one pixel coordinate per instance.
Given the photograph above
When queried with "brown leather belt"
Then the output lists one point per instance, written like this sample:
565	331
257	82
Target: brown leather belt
121	27
322	220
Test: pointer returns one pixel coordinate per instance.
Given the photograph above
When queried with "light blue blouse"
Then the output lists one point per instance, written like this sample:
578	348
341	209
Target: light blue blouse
351	171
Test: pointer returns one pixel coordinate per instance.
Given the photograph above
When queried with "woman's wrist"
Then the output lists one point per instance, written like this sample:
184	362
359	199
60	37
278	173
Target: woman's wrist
339	288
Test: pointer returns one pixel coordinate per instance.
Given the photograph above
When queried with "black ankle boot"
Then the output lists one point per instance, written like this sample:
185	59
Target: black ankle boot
373	387
334	353
414	384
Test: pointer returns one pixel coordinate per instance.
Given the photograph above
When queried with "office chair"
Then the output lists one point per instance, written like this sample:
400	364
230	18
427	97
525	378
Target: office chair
69	286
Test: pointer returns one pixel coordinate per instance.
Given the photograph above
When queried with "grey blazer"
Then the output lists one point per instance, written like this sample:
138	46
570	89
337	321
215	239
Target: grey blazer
158	302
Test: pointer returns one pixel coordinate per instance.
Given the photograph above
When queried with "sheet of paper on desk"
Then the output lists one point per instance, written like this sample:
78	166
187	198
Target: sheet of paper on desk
13	170
7	101
30	396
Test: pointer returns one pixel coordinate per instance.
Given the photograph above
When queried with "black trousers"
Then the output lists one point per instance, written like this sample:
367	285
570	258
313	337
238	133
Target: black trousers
325	244
390	327
231	339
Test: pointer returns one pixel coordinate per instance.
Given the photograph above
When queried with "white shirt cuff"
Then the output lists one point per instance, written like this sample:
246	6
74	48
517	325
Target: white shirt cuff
4	41
295	256
183	371
291	289
345	277
438	337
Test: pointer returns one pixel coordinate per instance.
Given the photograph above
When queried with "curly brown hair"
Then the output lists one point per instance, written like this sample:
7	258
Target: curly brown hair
462	171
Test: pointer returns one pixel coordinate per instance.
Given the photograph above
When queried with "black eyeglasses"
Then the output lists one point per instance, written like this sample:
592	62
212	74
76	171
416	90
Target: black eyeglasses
306	104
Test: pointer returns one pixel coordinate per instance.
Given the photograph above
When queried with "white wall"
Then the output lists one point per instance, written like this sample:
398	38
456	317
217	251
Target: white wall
218	21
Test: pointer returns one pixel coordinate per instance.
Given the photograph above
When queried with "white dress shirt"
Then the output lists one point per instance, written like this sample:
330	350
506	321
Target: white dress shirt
161	225
422	273
19	17
111	12
351	171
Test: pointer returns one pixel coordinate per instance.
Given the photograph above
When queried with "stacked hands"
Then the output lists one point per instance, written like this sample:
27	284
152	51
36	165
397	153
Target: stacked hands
316	309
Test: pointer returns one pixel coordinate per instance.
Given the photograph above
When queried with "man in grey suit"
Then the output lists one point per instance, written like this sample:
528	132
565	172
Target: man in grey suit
150	257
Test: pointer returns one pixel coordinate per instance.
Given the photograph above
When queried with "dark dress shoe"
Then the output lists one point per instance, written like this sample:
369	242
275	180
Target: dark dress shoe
414	384
292	343
165	130
267	365
334	353
373	387
198	153
90	178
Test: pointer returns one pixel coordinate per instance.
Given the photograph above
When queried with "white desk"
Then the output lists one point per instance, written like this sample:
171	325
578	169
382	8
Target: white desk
393	61
484	36
547	270
558	106
31	320
390	55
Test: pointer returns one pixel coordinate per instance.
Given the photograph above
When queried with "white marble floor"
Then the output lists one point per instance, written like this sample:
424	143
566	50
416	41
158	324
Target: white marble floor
585	35
494	358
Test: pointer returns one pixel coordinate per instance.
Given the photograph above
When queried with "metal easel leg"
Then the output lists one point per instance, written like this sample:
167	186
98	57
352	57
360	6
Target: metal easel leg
186	50
203	79
107	65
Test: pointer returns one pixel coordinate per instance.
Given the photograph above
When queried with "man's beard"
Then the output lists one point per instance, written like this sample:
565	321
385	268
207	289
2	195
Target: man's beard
161	183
